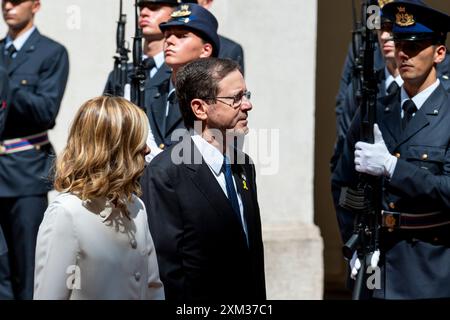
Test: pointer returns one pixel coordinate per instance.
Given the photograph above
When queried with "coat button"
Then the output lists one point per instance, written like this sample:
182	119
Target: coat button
24	82
137	276
392	205
424	156
162	146
398	155
133	243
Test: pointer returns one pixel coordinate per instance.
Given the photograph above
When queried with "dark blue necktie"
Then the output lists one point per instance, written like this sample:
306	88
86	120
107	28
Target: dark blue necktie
231	191
10	54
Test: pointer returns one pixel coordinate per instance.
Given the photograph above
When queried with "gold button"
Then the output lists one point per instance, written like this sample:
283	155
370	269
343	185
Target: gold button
392	205
38	147
162	146
24	82
398	155
435	239
424	156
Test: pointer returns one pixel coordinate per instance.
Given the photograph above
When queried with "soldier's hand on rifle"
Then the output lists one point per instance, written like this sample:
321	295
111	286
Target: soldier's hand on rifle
355	263
374	159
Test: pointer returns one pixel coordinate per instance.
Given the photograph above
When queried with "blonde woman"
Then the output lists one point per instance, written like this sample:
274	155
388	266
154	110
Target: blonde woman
94	241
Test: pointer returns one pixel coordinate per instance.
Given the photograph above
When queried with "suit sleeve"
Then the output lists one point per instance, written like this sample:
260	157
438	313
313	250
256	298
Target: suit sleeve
41	106
56	252
412	181
166	227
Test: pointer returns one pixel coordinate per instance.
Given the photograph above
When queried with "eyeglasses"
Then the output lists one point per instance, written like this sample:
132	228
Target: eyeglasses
237	99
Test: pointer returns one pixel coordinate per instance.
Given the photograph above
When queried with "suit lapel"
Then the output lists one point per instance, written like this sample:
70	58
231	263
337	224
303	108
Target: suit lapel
2	52
430	108
391	116
161	75
174	117
23	54
203	179
158	108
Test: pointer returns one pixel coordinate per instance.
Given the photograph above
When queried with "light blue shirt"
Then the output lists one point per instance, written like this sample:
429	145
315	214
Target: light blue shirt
19	42
214	159
420	98
159	61
390	78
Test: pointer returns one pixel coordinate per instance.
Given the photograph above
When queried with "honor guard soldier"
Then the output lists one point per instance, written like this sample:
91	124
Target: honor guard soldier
191	33
37	68
5	276
228	48
411	156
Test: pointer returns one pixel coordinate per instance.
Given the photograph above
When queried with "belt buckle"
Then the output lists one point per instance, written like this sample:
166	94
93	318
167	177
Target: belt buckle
390	220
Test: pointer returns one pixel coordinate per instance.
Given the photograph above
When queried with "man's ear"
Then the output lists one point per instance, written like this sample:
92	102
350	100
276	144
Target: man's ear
440	53
36	6
199	109
207	51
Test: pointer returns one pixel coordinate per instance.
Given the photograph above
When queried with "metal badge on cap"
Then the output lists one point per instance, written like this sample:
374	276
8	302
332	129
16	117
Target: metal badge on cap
404	19
183	12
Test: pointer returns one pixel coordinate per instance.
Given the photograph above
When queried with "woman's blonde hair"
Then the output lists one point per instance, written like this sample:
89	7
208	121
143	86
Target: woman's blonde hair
104	156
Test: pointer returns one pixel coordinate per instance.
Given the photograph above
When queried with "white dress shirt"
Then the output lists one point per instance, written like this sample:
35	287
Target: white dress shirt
91	250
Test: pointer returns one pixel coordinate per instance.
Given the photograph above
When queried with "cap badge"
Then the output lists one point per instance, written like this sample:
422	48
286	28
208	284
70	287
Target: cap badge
404	19
183	12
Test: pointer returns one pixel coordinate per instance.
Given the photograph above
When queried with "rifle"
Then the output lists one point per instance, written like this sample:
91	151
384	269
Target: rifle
139	71
121	57
365	200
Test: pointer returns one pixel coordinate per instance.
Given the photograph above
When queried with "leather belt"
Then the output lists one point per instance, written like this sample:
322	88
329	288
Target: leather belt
22	144
414	221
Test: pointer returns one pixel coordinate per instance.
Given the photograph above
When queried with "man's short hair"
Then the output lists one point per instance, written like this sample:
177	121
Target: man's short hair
200	80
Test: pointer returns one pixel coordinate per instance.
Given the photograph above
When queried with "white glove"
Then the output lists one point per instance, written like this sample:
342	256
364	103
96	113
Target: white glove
355	263
374	159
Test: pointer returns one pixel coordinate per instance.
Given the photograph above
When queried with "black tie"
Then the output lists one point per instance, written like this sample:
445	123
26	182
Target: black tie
9	54
149	63
409	108
231	191
393	88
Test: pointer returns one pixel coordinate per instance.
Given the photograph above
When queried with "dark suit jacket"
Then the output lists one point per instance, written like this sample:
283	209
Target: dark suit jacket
232	50
37	80
415	263
201	247
164	128
3	98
